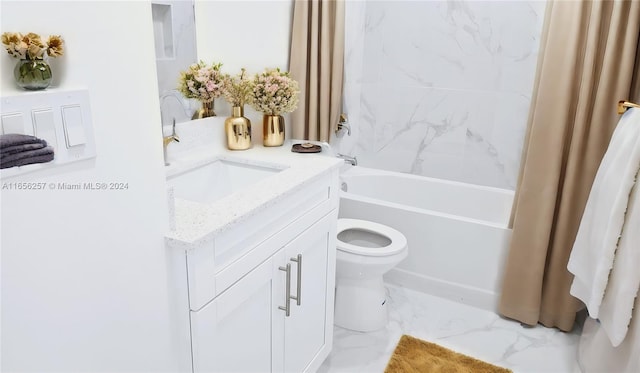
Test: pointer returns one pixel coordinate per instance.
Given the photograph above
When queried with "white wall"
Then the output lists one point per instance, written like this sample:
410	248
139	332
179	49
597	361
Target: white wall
249	34
441	88
84	277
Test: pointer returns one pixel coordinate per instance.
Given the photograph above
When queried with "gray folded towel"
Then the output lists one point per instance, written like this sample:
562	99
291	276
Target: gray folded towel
25	161
28	157
20	148
17	139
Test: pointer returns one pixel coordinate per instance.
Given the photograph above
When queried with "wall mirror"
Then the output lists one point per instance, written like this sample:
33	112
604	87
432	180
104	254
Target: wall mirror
186	31
174	31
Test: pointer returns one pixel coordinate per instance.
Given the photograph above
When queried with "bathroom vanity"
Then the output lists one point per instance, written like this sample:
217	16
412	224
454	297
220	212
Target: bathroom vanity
252	251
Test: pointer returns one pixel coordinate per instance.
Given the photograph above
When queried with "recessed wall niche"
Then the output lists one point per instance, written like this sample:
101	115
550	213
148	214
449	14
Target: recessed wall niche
162	30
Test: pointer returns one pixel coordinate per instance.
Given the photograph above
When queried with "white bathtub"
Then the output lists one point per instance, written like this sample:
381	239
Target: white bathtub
457	233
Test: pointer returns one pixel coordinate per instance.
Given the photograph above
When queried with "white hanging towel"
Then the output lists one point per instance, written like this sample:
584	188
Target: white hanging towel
593	252
616	309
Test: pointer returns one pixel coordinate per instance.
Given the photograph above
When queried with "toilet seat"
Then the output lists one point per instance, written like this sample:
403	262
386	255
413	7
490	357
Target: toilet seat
398	240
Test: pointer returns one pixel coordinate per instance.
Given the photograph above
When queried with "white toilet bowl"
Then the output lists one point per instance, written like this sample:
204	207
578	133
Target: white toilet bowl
365	251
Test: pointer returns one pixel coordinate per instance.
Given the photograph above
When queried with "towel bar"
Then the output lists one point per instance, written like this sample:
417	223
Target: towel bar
624	105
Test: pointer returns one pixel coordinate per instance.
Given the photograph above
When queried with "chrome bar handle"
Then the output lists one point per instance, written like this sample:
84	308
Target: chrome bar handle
298	296
287	304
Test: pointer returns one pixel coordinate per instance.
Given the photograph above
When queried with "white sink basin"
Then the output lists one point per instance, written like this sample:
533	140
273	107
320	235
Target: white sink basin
217	179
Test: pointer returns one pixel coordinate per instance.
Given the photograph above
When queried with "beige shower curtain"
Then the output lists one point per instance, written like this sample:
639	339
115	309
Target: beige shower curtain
316	61
587	63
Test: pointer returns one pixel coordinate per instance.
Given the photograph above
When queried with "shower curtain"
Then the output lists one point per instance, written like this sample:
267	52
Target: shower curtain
587	63
316	61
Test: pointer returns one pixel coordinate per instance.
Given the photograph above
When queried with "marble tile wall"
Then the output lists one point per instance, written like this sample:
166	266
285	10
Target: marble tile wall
441	88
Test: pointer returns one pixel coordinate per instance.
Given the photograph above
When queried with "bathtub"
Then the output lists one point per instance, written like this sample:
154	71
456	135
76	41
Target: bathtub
457	233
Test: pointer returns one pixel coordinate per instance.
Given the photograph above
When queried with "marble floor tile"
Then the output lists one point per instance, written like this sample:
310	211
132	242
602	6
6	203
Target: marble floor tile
468	330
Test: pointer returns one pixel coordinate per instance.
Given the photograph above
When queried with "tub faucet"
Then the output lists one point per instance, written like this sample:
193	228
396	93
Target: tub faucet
343	124
166	140
348	159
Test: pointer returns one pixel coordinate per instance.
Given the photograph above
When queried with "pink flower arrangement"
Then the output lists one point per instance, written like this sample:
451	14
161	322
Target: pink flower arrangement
202	82
238	89
274	92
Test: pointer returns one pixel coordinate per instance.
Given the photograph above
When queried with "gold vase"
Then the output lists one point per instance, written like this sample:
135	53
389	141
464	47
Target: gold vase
205	111
238	130
272	130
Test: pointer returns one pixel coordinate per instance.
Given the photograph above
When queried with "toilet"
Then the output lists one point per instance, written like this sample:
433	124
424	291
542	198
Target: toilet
365	251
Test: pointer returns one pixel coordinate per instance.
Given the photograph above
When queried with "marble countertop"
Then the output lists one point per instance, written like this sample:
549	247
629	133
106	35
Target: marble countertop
196	223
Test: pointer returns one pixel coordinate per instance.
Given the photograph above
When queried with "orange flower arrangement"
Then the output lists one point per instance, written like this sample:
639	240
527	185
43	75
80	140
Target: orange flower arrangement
31	46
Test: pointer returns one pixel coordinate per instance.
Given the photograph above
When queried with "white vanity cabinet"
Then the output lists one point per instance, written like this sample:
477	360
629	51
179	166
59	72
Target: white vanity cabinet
258	296
233	332
251	327
304	332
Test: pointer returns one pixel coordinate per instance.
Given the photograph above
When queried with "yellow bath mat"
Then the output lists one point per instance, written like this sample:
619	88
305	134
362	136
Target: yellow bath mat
413	355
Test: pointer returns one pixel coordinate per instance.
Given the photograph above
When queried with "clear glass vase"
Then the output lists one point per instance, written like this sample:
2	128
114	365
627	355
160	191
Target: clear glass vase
32	74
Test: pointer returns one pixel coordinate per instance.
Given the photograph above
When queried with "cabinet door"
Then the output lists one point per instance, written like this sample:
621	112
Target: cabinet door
233	332
306	330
